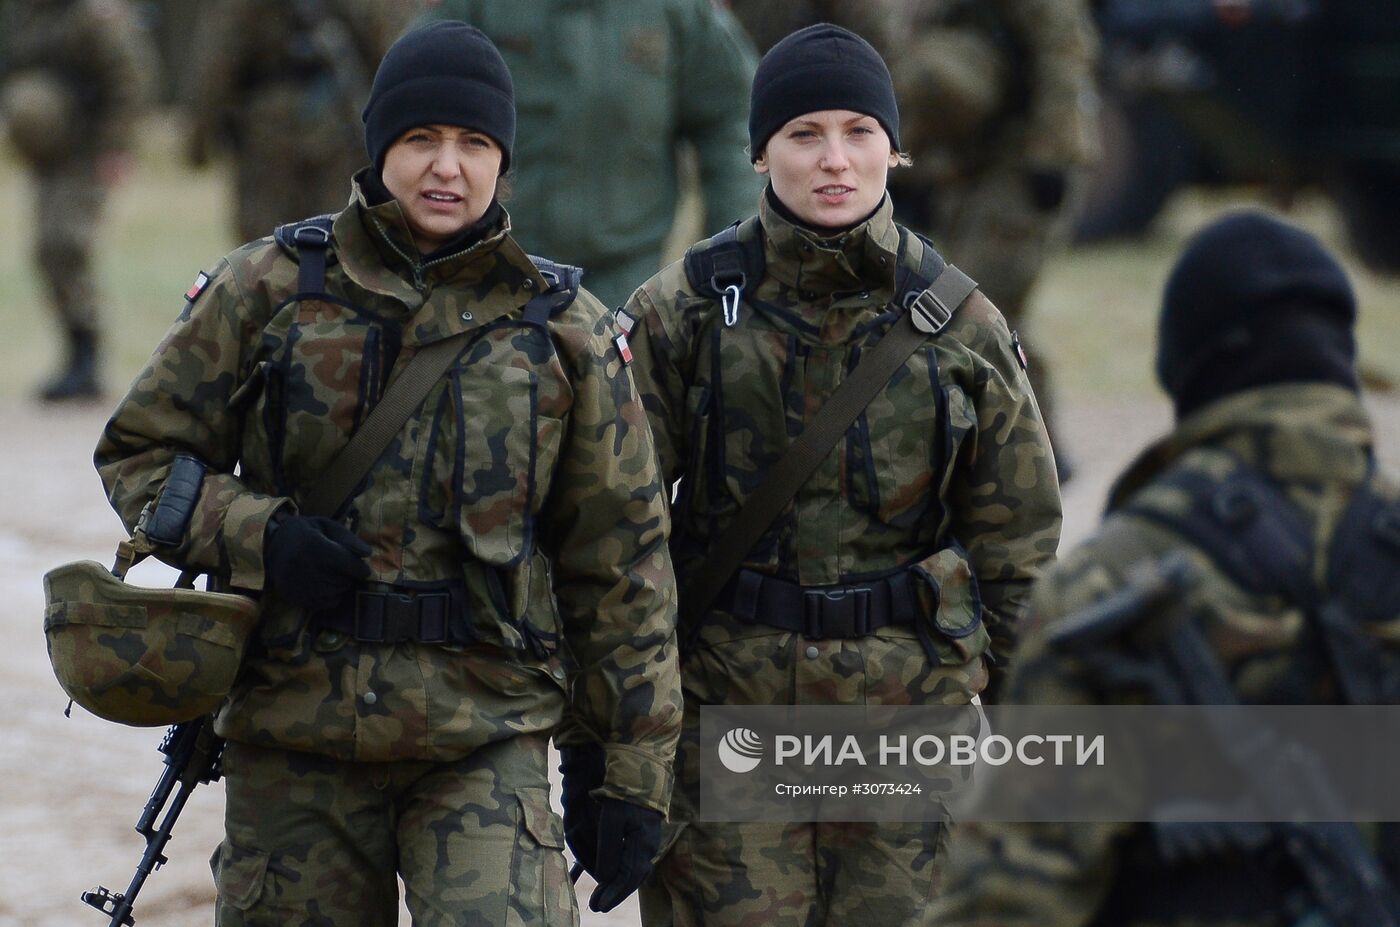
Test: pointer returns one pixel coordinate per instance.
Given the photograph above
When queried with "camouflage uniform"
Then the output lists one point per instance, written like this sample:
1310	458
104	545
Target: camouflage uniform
525	486
606	91
947	472
286	98
97	56
1315	441
997	95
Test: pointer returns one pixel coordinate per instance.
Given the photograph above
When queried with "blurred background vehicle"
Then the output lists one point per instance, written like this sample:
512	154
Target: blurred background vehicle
1284	93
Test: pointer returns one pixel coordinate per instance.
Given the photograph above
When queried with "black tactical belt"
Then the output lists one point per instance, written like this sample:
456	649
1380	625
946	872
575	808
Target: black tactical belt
819	612
388	614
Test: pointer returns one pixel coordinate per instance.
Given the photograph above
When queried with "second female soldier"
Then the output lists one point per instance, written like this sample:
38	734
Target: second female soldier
903	561
391	719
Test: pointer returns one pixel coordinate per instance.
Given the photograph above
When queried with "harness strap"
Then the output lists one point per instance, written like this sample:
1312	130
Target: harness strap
805	455
309	240
564	280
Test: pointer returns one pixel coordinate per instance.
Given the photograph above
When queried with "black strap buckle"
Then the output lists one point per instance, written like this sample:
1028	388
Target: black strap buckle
401	617
843	611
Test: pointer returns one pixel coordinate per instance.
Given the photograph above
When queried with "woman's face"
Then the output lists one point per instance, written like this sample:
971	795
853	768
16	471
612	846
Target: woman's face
444	178
829	167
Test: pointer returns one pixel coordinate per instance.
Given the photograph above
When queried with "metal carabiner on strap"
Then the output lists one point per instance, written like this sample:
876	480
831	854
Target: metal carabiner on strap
729	300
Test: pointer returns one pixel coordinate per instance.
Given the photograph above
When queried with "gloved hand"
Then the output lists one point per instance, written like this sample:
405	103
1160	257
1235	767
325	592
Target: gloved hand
583	769
313	562
1048	187
628	838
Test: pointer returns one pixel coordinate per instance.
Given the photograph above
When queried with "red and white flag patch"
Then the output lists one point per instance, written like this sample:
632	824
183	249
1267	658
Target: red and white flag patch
624	349
1020	351
624	321
200	282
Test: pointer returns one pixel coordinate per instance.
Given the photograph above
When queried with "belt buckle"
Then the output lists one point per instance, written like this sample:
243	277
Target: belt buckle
842	612
433	611
371	615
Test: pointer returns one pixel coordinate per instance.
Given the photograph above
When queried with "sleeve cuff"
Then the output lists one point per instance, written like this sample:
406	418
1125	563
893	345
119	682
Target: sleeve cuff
637	776
245	528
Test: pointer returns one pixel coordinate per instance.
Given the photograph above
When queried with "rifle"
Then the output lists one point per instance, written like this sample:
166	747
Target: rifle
1177	665
193	754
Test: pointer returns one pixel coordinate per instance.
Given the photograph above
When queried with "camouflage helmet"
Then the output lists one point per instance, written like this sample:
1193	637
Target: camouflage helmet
41	113
138	656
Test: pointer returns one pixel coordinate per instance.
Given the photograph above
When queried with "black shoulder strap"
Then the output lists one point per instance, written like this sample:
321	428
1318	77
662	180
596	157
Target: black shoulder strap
1364	558
909	281
724	266
308	241
1246	525
564	281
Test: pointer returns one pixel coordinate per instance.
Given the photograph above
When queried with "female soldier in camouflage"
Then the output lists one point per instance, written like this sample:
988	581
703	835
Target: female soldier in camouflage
938	507
391	719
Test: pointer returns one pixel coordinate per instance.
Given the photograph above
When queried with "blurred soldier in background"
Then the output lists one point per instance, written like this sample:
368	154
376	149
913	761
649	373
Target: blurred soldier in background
1266	501
608	90
1002	127
281	83
72	83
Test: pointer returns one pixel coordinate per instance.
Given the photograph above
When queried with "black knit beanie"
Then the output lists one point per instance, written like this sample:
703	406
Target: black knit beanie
1252	302
818	68
444	73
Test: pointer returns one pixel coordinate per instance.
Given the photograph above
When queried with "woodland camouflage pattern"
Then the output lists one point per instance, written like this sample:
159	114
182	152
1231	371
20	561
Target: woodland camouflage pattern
981	514
516	873
1314	440
98	57
142	656
262	86
527	480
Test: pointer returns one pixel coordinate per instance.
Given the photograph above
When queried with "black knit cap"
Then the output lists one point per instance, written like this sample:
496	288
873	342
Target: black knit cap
1254	301
819	68
444	73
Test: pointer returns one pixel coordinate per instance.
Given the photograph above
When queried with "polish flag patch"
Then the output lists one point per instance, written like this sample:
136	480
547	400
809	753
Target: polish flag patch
1020	351
624	349
624	321
200	282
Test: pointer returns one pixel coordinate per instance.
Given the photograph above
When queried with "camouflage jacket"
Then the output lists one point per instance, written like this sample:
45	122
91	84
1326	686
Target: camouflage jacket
606	91
985	83
948	469
526	482
99	53
1316	442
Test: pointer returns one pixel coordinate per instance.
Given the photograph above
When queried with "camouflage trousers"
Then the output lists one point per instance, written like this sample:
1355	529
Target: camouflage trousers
797	874
68	200
312	840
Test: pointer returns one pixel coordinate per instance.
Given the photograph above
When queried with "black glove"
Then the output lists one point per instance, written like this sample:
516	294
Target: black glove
313	562
583	769
1047	189
629	836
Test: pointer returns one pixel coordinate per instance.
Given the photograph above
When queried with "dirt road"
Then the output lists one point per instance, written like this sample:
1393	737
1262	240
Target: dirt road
72	787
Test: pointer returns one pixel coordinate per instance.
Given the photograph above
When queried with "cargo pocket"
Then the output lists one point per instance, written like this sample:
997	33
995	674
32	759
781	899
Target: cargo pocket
499	435
541	892
239	875
954	633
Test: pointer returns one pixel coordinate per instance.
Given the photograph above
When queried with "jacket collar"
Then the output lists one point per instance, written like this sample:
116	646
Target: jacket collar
1295	432
376	251
862	258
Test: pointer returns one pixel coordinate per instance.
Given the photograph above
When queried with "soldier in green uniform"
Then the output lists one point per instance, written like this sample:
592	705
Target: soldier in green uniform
938	507
392	716
1003	128
1256	349
73	81
610	90
279	83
